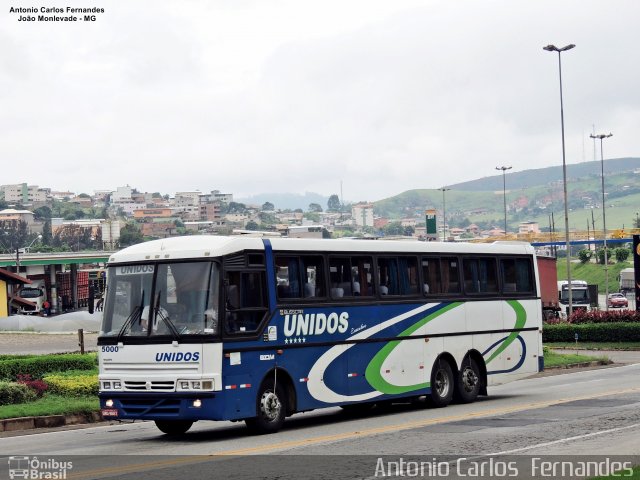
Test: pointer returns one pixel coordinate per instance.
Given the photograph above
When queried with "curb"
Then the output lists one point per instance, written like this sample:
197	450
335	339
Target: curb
594	363
49	421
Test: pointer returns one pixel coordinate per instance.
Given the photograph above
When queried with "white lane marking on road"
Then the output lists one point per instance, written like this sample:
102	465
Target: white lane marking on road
562	440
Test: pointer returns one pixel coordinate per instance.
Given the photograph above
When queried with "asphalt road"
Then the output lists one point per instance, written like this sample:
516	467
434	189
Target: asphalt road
591	412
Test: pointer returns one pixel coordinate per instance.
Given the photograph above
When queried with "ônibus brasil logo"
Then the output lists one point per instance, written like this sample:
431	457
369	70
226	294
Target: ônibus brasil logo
35	468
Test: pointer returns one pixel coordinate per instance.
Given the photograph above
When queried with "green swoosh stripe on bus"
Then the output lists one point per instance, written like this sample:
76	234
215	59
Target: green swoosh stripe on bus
521	319
373	372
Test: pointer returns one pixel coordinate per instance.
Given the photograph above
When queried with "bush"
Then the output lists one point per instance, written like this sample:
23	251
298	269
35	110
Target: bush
622	254
74	383
584	255
11	392
38	366
592	332
38	386
603	316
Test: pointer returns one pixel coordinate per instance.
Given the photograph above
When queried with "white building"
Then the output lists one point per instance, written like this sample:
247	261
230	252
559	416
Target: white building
186	199
216	196
122	195
362	214
24	194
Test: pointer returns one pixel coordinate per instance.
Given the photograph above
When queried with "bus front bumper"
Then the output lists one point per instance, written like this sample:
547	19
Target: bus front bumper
166	406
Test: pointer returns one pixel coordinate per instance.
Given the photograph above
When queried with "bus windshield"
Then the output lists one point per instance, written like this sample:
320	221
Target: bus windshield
173	299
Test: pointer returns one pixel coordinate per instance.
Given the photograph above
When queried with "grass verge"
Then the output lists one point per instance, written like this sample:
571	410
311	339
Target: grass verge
595	345
51	405
553	359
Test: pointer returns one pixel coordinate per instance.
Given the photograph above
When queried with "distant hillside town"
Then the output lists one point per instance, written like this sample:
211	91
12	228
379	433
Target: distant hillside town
49	220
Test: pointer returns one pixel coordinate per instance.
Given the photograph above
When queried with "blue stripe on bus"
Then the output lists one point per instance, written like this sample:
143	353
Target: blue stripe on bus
271	275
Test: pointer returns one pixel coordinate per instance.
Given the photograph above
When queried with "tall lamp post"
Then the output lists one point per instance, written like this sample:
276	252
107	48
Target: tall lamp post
444	213
553	48
601	137
504	193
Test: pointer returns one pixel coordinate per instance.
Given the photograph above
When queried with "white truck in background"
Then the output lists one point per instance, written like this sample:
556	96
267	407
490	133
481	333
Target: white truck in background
627	280
36	293
579	296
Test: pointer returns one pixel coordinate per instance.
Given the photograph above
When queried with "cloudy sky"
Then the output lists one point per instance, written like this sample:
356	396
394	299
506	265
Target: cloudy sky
261	96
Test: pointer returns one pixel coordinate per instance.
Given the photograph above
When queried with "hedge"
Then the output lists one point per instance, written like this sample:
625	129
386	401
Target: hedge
592	332
38	366
74	383
11	392
603	316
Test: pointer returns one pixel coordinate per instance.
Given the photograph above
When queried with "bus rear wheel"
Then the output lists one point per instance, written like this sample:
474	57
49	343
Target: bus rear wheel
271	409
442	385
468	382
174	427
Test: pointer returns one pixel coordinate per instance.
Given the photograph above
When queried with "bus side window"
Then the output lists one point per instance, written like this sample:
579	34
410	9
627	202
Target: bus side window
516	275
245	301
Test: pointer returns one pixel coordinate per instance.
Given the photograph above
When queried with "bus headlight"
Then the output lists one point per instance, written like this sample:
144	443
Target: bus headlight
197	403
194	385
111	385
108	403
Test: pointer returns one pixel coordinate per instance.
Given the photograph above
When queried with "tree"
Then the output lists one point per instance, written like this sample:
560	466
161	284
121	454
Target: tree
235	207
622	254
42	213
313	216
393	228
77	237
130	234
268	207
600	255
584	255
47	236
314	207
14	234
251	225
333	204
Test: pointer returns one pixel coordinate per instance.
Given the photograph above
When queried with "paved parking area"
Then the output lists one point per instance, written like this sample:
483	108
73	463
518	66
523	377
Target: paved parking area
39	343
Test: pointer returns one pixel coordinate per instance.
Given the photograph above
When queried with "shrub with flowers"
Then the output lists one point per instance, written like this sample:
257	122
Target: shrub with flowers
38	386
73	383
603	316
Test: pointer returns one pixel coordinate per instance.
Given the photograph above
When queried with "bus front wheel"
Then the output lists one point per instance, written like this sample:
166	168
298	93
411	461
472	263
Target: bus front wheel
271	409
174	427
441	385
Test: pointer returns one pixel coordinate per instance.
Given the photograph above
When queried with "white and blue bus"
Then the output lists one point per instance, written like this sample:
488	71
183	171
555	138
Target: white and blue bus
257	329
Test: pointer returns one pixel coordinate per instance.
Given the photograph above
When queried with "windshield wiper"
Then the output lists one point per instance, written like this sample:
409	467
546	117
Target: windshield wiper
136	314
157	311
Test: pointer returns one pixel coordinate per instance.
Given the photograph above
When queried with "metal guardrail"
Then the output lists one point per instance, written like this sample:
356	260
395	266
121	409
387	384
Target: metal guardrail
555	237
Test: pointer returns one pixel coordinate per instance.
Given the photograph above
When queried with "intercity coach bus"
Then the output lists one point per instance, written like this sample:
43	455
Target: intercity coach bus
257	329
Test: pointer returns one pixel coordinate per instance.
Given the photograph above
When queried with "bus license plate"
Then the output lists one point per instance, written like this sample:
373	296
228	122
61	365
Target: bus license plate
109	412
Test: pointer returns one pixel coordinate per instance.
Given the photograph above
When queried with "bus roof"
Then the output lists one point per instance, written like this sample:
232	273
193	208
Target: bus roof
207	246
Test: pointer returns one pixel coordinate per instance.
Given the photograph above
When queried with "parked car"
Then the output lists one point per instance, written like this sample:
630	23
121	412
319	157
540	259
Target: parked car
617	300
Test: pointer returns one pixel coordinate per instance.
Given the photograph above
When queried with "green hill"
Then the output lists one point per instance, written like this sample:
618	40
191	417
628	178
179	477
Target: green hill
533	195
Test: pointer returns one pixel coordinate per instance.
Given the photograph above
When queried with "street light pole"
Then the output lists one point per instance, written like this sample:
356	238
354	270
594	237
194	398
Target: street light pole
601	137
444	214
504	193
553	48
